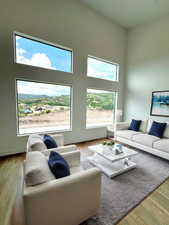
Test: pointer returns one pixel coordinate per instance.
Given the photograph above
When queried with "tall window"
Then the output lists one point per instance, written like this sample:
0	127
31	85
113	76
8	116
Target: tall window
100	107
31	51
43	107
102	69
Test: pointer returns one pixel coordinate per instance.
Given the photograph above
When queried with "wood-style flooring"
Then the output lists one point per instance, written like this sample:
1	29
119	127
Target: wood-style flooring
154	210
10	179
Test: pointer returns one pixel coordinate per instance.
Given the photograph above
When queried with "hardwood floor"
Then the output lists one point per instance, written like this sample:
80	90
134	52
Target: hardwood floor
154	210
10	177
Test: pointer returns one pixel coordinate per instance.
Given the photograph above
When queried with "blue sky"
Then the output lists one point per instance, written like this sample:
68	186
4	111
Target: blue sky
38	54
101	69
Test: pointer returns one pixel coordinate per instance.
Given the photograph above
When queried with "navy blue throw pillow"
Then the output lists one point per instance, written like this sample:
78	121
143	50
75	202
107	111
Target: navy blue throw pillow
49	141
135	125
58	165
157	129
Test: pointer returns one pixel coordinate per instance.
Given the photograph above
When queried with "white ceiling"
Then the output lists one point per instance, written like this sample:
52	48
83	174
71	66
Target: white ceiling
130	13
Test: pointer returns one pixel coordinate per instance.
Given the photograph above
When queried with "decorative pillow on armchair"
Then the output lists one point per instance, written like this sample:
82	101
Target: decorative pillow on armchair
49	141
58	165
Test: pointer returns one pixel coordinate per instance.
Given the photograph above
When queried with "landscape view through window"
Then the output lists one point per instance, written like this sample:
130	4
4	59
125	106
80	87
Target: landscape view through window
43	107
100	107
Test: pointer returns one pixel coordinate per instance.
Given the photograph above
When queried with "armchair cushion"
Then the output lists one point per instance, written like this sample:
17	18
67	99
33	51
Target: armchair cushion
49	141
35	143
36	169
58	165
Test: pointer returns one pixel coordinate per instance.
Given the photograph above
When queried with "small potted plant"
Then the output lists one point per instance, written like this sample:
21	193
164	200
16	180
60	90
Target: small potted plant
109	144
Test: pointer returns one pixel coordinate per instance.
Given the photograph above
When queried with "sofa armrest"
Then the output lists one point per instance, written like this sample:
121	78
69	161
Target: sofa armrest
122	126
77	195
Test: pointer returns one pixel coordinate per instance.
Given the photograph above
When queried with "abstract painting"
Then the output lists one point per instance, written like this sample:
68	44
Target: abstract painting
160	103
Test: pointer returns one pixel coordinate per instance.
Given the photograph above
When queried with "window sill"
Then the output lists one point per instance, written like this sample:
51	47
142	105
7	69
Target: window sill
44	132
97	126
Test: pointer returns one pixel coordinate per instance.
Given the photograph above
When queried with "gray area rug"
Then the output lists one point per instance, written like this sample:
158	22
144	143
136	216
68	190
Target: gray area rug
126	191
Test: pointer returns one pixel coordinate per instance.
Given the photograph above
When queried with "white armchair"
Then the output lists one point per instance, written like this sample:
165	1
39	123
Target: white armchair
35	143
65	201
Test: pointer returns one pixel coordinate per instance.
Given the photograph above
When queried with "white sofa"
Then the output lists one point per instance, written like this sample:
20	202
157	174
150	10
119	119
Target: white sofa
142	140
65	201
35	143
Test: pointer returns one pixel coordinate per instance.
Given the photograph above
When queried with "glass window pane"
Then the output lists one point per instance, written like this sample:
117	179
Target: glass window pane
43	107
101	69
36	53
100	107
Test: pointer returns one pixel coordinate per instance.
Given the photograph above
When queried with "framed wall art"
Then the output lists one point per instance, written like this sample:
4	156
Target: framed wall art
160	103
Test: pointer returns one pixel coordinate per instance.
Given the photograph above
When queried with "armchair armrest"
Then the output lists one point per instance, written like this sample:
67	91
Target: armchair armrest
122	126
77	196
73	158
67	148
59	138
61	149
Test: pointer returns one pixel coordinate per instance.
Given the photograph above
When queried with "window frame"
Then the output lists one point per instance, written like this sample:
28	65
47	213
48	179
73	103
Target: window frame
16	33
116	100
42	132
105	61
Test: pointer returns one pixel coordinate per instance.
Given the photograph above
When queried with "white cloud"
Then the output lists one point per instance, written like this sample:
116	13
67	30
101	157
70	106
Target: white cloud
17	37
101	69
37	59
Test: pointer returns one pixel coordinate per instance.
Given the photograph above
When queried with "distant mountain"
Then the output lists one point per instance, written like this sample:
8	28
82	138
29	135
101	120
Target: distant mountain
29	96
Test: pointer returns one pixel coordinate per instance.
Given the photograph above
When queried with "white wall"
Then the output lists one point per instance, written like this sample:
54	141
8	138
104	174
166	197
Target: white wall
148	67
67	23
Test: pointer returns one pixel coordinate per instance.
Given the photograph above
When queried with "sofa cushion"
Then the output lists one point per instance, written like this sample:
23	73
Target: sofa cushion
58	165
36	169
166	131
157	129
35	143
49	141
162	144
149	123
143	126
145	139
128	134
135	125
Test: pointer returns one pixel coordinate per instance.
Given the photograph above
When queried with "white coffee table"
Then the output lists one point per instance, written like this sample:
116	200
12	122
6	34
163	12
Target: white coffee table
110	164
